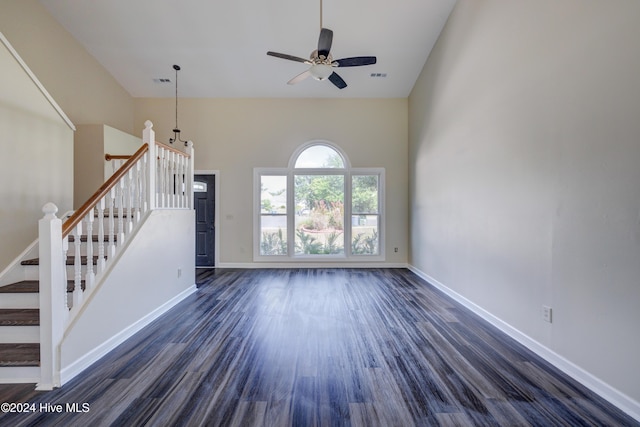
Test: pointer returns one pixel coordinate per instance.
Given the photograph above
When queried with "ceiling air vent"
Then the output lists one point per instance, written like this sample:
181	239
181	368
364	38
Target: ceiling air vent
162	80
379	75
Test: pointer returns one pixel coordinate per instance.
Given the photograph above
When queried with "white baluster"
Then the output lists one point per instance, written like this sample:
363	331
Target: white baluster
143	185
77	266
65	249
128	185
101	242
189	186
137	179
167	178
89	274
172	179
181	188
112	227
161	177
120	203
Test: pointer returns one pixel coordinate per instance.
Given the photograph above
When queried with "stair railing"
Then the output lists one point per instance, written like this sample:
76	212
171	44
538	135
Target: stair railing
116	160
108	218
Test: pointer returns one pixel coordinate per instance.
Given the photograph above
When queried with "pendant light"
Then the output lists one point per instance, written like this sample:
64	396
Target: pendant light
176	130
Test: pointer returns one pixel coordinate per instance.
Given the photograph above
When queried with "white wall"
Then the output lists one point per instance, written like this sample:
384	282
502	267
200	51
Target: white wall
143	284
37	158
525	177
236	135
118	142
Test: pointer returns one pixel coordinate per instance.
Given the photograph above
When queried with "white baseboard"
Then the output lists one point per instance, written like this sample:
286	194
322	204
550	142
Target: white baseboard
75	368
617	398
253	265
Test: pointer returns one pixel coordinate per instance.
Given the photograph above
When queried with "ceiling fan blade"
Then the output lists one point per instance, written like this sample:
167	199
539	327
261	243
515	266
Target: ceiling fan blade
337	80
300	77
324	42
356	61
289	57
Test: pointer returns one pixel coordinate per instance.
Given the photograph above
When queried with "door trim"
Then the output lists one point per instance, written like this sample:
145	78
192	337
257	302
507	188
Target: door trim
216	213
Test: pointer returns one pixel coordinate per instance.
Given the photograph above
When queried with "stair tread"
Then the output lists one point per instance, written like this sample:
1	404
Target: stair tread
70	260
26	286
20	354
19	317
31	286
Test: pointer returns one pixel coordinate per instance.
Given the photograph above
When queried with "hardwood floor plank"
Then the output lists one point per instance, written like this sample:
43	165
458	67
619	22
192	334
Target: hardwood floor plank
321	347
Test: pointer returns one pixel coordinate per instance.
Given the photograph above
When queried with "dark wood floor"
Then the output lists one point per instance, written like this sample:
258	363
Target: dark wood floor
362	347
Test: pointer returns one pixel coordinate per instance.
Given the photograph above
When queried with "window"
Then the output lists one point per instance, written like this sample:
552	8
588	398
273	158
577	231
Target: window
318	208
200	187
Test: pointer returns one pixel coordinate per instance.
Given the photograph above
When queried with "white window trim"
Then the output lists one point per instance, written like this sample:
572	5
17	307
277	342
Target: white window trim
348	172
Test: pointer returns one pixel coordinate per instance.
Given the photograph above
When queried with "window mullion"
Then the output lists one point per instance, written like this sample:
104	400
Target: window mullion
291	214
347	213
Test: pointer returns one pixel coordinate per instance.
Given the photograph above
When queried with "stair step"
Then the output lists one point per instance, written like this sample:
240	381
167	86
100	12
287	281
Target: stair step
19	354
31	286
19	317
26	286
70	261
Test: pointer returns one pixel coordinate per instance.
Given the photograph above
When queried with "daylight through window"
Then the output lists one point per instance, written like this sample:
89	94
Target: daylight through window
319	208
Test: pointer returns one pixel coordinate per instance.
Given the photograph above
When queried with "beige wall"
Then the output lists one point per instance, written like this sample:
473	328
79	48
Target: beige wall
91	143
37	153
236	135
525	184
86	92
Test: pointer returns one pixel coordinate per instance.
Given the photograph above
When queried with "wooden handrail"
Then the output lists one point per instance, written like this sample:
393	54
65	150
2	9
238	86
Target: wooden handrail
175	150
108	157
77	216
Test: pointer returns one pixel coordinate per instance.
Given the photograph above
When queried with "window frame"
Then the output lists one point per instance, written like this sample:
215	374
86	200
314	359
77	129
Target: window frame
290	172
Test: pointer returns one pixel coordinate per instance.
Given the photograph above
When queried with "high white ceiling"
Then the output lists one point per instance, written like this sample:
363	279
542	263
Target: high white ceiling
221	45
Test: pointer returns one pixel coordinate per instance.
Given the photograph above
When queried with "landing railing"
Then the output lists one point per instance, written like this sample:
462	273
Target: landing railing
156	176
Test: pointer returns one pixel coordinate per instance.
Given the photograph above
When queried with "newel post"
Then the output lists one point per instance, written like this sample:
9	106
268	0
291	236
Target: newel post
149	138
189	183
53	311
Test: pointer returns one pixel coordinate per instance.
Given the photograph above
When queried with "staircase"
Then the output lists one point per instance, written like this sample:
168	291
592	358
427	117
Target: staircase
20	318
20	331
74	255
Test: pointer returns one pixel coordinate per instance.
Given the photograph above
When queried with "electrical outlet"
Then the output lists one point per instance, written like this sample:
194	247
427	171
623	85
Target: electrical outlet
395	249
179	272
546	313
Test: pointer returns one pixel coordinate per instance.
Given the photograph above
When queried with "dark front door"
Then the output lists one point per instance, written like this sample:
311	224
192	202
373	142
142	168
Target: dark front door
204	204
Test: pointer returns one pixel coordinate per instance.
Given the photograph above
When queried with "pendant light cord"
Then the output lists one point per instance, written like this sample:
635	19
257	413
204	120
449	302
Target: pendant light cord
176	130
176	96
320	15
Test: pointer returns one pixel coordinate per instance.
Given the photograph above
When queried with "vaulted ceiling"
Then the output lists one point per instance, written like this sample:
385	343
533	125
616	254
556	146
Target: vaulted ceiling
221	45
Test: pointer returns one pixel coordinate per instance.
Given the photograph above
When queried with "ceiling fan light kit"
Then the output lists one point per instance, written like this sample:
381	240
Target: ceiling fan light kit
320	71
320	61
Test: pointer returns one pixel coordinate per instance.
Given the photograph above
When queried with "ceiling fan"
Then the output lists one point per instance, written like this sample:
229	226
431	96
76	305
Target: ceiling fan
321	61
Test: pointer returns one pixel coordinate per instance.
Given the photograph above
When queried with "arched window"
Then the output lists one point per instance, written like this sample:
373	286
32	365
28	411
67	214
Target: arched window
319	208
318	156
